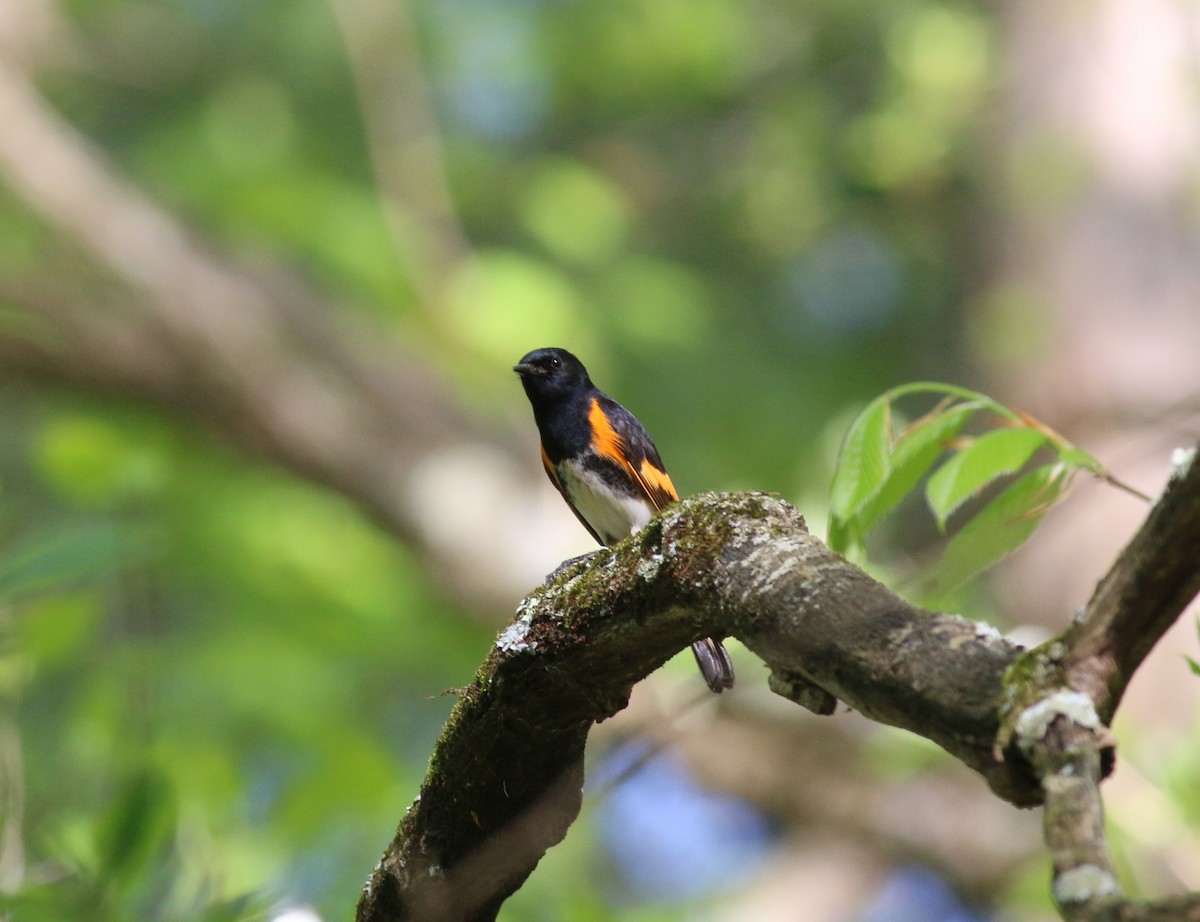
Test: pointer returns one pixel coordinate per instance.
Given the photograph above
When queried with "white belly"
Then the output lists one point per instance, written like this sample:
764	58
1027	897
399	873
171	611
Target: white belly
612	517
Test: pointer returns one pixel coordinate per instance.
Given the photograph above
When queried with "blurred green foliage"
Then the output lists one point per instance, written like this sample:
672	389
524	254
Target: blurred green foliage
215	671
749	219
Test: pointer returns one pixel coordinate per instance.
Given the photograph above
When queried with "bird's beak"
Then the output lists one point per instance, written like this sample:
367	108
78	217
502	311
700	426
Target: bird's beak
528	370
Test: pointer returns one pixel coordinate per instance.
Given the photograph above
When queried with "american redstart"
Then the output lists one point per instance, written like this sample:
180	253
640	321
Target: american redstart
603	462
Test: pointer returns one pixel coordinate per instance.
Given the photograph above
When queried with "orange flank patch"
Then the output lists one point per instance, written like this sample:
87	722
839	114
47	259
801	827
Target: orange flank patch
658	484
550	469
605	438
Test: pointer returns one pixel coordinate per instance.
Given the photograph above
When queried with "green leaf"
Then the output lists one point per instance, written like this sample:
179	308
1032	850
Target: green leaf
1000	527
862	464
1077	457
981	401
915	451
1192	664
988	457
62	557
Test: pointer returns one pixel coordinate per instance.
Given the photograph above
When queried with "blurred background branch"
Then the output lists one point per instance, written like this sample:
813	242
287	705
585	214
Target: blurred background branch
256	358
405	145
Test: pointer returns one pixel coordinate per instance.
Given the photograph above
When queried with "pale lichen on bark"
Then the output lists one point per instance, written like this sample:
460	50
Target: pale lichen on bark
745	565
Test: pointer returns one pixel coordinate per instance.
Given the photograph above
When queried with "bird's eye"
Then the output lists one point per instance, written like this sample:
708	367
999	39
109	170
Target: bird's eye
555	362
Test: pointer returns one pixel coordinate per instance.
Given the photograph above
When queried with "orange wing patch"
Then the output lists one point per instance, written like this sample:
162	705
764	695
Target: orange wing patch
605	439
658	485
655	484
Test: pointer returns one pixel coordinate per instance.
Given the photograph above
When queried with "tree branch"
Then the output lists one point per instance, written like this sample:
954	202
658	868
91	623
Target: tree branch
1145	591
1152	582
744	564
405	144
1063	739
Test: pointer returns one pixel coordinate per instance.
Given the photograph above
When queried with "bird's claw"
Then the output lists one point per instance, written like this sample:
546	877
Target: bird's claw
570	562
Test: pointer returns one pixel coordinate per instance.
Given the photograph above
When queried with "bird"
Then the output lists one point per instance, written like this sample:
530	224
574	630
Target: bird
604	463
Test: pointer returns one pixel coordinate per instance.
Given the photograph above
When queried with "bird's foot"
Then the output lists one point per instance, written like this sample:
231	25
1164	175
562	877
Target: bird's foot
571	561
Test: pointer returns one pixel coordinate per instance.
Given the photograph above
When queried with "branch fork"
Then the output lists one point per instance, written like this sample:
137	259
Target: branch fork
1032	722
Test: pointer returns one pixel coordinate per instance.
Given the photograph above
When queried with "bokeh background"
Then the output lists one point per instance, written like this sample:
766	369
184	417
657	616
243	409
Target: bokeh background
269	489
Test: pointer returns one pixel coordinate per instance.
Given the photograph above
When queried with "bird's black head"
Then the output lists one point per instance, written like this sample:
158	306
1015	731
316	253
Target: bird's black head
550	374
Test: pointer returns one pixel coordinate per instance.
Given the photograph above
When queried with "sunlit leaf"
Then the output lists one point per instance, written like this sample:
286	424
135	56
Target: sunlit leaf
915	451
992	455
1000	527
863	462
1077	457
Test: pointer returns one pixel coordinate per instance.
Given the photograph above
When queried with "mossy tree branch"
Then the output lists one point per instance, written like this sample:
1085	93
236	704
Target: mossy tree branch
739	564
1060	697
1145	591
504	782
1141	596
1067	749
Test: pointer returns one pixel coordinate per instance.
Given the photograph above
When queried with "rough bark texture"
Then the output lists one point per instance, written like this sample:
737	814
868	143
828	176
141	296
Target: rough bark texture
508	766
1066	751
1140	597
743	564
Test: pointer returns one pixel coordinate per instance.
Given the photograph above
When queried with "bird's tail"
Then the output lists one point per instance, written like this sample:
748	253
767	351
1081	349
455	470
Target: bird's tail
715	664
